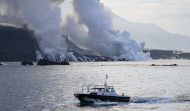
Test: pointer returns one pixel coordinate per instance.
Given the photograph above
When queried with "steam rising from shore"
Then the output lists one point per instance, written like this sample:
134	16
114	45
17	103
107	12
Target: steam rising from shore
91	27
44	18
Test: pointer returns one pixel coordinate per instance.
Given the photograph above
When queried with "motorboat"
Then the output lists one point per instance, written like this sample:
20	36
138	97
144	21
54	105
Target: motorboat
99	93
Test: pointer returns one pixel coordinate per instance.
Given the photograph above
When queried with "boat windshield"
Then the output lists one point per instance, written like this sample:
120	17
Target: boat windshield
102	90
97	90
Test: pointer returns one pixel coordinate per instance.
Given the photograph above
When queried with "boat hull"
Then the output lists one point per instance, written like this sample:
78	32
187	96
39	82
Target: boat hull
90	99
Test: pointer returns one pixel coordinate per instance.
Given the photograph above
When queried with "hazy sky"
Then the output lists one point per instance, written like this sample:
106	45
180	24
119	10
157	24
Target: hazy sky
171	15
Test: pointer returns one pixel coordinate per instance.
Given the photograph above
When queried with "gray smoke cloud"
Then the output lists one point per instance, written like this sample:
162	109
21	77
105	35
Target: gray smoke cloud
10	12
44	18
91	27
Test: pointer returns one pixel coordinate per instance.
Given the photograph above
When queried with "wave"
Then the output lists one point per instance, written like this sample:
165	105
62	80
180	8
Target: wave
157	100
150	100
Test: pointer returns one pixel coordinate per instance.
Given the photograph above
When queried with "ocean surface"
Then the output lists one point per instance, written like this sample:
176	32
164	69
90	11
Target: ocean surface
51	88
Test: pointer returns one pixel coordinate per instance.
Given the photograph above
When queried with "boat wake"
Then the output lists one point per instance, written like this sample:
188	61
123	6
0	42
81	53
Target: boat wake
105	103
102	103
96	103
158	100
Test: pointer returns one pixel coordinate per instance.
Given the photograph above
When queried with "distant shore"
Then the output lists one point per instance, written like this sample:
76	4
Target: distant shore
17	44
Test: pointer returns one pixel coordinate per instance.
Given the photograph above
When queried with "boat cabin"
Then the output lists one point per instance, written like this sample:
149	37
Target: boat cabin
101	90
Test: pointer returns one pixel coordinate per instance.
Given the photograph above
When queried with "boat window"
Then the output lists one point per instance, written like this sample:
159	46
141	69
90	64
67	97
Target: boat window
94	90
110	90
102	90
97	90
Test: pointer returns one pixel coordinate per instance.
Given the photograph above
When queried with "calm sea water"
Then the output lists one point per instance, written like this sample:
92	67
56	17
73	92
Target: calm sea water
49	88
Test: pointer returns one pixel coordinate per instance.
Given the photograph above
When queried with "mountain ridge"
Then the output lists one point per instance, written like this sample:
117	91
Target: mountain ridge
154	36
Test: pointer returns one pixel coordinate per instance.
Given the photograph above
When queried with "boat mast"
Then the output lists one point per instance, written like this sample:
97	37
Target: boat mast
106	80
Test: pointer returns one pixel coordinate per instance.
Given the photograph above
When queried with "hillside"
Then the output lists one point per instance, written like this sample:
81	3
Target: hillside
154	36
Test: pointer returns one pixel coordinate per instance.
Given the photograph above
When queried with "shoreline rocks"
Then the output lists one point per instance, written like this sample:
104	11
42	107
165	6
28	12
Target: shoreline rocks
43	62
164	65
26	63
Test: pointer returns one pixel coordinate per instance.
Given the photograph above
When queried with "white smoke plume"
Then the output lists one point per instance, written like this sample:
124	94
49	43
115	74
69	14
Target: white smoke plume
44	18
91	27
56	2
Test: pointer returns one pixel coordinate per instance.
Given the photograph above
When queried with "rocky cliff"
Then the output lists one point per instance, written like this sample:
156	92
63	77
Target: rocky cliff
17	44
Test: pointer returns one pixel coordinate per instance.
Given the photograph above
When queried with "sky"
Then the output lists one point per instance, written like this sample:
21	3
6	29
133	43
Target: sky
171	15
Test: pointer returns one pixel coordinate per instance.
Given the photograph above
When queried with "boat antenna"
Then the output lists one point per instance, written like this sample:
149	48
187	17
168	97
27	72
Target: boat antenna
106	80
